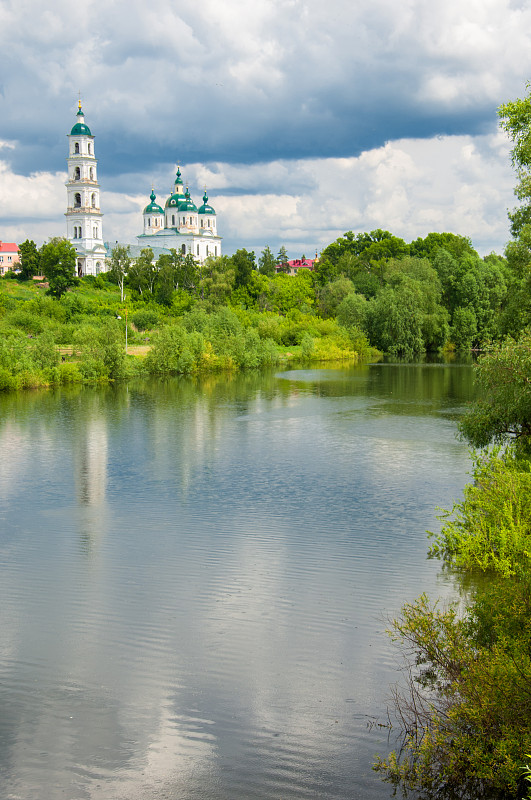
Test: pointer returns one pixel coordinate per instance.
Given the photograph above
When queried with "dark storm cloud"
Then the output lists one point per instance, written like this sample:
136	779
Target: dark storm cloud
243	84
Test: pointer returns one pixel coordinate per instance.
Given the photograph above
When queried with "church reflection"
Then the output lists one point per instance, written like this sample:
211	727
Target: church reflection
90	458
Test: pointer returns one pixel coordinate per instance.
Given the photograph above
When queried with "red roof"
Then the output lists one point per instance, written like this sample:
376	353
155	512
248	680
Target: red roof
8	247
299	262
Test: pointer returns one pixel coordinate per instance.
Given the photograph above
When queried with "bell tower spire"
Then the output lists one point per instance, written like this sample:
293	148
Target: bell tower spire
84	227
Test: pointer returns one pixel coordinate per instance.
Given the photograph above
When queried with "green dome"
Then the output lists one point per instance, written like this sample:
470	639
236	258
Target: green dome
80	129
187	204
153	208
174	200
206	209
178	179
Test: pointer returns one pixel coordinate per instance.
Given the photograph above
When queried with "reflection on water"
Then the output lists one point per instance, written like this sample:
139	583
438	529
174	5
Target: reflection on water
195	577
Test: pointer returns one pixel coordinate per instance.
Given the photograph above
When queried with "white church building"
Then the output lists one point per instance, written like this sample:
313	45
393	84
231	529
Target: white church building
83	215
180	225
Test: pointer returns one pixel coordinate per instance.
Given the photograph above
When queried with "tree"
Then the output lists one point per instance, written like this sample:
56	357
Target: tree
142	273
332	294
502	413
217	280
282	259
29	260
58	263
515	119
120	264
266	262
243	262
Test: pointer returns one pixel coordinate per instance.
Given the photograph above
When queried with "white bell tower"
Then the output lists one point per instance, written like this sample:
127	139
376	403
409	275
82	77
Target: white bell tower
84	227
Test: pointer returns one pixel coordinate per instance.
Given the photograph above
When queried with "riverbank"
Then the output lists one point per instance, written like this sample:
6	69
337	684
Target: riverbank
89	336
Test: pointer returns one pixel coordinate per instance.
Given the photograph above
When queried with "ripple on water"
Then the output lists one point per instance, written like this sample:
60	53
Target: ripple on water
195	585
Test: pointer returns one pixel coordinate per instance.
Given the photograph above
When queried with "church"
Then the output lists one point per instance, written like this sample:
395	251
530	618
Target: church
180	225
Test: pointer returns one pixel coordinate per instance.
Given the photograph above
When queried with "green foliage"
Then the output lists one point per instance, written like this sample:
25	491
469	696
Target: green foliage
29	260
58	263
394	322
217	278
120	264
332	294
464	328
266	262
502	412
515	120
145	318
175	351
243	263
490	529
101	350
466	709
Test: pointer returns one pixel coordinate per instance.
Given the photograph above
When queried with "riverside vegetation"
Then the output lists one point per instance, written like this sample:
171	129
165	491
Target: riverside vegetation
371	292
464	710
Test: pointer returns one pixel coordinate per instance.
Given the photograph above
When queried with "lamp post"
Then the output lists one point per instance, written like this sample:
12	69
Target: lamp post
119	317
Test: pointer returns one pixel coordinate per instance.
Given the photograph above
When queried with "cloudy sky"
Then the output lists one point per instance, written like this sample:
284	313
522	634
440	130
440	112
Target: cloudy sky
303	118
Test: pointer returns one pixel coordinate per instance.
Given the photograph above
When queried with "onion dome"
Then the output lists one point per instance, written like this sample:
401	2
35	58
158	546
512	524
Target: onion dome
153	208
80	129
178	180
206	209
187	204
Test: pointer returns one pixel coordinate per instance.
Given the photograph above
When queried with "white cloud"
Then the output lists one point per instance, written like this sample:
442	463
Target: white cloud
461	184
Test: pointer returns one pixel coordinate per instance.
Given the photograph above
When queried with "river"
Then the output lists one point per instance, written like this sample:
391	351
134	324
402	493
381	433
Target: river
196	577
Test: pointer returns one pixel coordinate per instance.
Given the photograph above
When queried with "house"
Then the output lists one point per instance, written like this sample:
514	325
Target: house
9	257
292	267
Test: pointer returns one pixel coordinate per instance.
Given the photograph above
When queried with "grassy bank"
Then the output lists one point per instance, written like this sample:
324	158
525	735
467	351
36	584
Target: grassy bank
81	337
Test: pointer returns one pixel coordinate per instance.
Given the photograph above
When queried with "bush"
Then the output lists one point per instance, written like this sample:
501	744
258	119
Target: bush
491	529
144	319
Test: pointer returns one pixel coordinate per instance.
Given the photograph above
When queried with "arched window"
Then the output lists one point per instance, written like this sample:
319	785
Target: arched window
98	267
191	221
90	149
93	200
183	249
95	232
149	222
216	250
91	173
197	249
77	174
76	148
173	220
77	200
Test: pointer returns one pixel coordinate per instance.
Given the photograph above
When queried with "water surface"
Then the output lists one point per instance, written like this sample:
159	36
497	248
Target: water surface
195	578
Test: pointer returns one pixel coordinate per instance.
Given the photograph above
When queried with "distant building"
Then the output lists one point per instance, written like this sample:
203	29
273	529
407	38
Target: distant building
292	267
9	257
84	228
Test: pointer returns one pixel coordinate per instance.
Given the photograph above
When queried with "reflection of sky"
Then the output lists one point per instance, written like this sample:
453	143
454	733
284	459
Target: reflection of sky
198	608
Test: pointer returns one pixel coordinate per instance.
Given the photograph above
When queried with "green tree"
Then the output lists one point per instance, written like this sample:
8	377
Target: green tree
282	259
58	263
29	260
502	413
119	265
332	294
515	120
394	321
217	280
243	262
142	273
266	262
